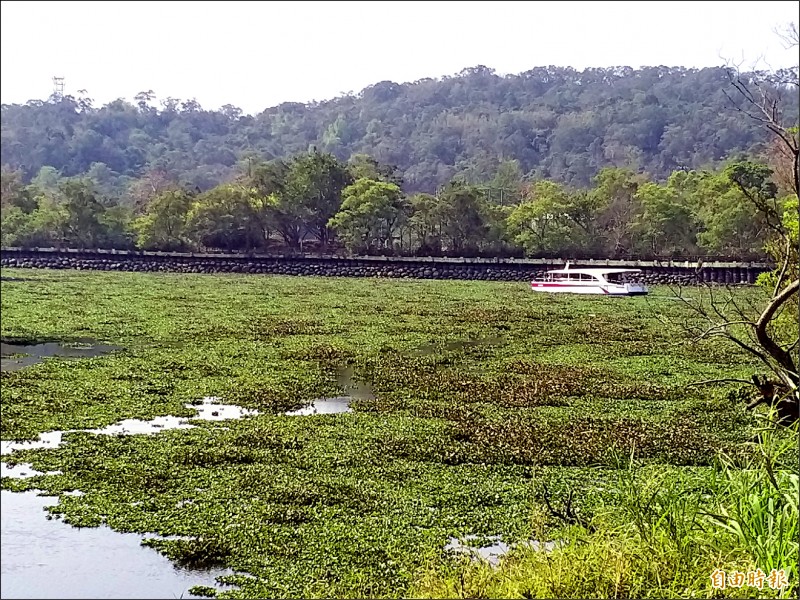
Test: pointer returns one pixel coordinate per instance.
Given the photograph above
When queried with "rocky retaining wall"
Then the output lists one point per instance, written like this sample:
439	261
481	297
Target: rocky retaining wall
654	272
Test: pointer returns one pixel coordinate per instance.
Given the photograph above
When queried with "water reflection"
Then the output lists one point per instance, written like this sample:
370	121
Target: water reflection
493	552
44	558
354	390
22	471
453	345
17	356
357	390
208	409
323	406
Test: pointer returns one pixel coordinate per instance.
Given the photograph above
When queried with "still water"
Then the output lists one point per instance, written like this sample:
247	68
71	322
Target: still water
41	558
17	356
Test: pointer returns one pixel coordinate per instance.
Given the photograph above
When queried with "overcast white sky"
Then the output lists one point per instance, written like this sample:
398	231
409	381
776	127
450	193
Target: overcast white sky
258	54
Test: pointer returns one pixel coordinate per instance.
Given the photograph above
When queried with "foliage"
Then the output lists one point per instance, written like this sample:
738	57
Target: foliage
759	507
657	533
665	221
314	181
477	404
463	218
41	227
768	331
368	214
547	122
297	203
163	225
223	218
784	250
552	220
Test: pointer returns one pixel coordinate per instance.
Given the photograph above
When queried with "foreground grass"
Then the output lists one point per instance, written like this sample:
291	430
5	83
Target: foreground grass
486	395
660	534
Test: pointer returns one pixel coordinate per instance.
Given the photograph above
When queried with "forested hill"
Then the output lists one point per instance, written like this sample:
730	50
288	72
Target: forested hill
559	123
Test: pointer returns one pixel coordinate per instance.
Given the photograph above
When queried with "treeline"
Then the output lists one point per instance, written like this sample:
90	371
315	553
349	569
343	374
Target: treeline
557	123
315	202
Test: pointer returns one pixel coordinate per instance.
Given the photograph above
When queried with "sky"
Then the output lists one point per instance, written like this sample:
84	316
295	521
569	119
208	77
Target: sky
254	55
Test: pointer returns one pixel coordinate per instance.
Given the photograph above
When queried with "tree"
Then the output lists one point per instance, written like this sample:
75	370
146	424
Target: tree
666	224
41	228
463	223
152	183
224	218
364	166
143	100
506	185
761	98
83	226
272	208
47	179
768	331
164	224
368	215
497	236
274	205
315	182
733	225
425	223
553	122
552	220
119	233
104	181
14	193
614	198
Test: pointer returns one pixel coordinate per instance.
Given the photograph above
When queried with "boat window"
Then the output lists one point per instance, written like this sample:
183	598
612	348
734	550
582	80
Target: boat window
619	277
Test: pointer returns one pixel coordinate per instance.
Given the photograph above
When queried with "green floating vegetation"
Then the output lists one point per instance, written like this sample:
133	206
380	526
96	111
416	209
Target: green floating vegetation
486	402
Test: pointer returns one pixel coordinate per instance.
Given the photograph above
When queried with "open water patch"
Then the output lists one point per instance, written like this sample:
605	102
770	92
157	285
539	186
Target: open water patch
352	390
17	356
22	471
323	406
46	558
208	409
455	345
494	550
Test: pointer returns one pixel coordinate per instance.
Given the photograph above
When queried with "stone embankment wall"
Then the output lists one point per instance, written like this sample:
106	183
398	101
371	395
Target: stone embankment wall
654	272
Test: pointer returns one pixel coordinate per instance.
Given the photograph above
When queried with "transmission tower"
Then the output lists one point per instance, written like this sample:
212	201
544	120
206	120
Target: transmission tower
58	88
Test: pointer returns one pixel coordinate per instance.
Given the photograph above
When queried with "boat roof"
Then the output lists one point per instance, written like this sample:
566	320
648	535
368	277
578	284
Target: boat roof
595	271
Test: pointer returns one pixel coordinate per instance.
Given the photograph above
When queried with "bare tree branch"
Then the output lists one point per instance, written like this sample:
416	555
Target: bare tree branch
765	109
715	329
787	255
782	357
790	36
756	330
723	380
569	515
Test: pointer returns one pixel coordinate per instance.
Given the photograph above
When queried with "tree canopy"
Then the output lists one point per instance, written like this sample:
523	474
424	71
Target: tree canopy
546	123
654	162
314	201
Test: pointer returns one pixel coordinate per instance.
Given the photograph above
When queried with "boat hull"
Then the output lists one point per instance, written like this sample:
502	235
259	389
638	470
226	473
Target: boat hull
589	288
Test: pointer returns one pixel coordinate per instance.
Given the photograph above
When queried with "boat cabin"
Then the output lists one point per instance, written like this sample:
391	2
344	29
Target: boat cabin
591	281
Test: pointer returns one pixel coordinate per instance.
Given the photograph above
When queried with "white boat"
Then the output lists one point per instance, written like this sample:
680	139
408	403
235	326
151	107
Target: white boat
609	282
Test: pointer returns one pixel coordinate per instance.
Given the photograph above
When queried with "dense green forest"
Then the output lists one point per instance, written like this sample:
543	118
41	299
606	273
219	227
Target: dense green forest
313	201
558	123
654	162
